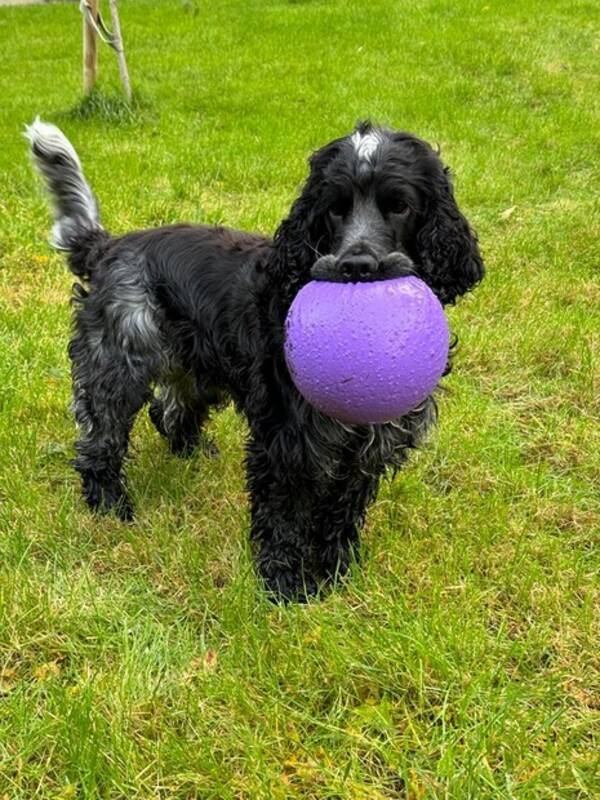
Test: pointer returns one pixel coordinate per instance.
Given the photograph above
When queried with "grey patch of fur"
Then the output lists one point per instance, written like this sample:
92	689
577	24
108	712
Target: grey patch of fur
131	309
175	396
389	443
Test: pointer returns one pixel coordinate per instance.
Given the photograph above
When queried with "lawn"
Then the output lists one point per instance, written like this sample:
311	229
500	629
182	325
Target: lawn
461	660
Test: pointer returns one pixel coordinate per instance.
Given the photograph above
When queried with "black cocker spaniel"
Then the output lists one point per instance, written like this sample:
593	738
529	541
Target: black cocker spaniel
187	316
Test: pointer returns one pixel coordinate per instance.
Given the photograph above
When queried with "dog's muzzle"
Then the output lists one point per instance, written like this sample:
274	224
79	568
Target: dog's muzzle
361	265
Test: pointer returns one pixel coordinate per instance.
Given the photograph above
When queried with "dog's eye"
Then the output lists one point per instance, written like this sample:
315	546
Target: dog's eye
341	206
393	204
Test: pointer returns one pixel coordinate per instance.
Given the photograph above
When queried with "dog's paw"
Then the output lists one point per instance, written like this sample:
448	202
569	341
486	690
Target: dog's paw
110	499
287	586
335	562
123	509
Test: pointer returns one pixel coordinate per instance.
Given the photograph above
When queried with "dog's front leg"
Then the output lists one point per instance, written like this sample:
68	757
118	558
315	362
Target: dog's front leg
283	516
339	519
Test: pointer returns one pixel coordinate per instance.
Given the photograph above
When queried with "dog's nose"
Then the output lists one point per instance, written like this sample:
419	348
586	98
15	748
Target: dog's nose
356	267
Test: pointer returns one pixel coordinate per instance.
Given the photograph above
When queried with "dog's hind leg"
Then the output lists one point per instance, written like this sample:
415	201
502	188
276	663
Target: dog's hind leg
179	411
110	386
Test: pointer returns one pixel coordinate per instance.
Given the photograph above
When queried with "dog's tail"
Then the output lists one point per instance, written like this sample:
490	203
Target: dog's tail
77	227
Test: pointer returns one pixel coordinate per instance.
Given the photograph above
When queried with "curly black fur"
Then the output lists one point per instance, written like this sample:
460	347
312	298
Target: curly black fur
185	316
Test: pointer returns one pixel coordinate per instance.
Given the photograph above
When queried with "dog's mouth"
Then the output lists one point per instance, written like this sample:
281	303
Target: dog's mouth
362	267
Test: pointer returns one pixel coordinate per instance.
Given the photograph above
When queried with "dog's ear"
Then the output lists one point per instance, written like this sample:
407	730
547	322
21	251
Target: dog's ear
304	234
447	246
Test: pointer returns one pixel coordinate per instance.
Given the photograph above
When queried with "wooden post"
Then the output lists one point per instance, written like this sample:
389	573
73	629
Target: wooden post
118	45
90	54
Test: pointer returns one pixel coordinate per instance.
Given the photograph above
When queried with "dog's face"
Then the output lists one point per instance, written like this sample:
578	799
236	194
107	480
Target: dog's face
379	204
372	204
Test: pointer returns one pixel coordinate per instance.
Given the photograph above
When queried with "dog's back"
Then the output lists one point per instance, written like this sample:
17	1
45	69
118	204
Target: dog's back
150	283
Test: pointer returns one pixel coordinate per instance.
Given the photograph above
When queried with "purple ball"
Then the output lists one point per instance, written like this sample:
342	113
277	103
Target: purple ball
366	352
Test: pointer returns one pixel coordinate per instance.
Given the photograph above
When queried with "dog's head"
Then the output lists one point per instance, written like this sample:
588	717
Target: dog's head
378	204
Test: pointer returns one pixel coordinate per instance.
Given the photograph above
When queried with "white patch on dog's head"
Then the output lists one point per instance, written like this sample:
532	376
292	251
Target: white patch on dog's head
366	144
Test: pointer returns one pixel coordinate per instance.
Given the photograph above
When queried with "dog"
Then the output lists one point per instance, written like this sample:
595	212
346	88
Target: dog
186	317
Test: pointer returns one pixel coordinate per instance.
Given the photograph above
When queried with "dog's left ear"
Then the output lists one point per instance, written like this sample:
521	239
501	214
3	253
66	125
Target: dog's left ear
447	246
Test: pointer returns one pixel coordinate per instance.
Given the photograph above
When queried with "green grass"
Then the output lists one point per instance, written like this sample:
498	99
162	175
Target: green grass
461	661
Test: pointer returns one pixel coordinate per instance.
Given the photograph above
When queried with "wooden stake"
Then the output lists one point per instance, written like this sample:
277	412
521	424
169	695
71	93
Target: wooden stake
118	45
90	53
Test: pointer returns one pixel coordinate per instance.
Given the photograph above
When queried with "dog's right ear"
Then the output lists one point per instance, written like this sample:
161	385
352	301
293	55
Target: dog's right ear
304	235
